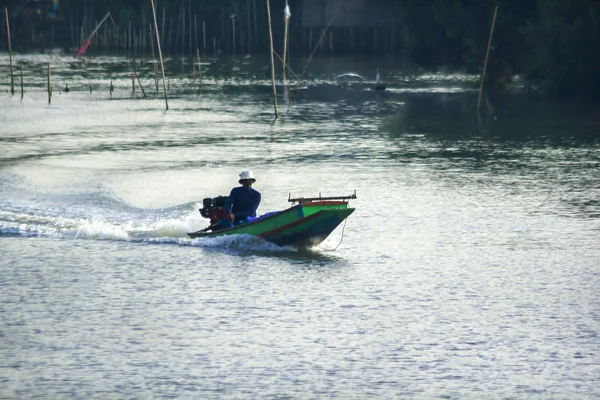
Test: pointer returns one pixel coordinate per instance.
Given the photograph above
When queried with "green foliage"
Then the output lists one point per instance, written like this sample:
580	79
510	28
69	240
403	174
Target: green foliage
552	43
563	55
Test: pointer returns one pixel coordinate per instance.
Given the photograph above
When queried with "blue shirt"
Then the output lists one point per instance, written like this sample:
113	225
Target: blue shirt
242	202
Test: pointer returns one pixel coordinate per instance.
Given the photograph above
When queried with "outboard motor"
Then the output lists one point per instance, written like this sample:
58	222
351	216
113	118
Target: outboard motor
213	208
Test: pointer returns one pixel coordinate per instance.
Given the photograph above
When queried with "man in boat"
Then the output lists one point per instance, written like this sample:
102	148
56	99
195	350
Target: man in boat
243	200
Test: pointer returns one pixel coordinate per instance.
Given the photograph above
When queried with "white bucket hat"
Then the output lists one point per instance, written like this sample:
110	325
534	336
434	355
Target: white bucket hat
247	175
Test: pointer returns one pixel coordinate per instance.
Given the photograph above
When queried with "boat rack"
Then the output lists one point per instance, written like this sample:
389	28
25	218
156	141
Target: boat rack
320	198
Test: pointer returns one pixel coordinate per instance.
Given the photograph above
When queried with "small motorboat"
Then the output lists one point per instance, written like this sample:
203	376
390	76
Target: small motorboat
306	224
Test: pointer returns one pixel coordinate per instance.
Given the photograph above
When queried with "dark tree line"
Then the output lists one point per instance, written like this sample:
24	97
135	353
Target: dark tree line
553	44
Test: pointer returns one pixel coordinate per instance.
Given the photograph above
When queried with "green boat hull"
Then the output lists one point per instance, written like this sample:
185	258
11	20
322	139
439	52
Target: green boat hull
304	225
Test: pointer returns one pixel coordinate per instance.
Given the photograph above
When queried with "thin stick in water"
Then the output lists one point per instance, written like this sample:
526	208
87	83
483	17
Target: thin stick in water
153	60
160	54
487	54
272	61
199	69
318	44
21	80
204	36
288	67
49	86
285	38
12	81
136	77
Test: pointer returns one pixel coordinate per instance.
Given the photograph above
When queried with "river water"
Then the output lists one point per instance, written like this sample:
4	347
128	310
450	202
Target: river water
470	269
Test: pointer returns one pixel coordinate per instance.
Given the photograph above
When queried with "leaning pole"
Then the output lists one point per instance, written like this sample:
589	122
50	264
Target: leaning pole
487	55
160	54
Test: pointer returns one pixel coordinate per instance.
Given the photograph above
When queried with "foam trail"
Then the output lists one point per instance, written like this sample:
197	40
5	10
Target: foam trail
167	230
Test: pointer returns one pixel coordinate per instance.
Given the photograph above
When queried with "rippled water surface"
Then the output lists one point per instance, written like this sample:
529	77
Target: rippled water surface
470	269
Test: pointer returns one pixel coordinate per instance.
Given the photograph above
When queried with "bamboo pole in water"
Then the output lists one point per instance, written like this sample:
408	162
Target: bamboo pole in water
487	54
255	24
190	27
272	60
195	32
249	47
204	37
287	66
222	40
136	77
162	27
132	78
317	45
21	80
49	86
153	59
170	47
285	38
194	69
160	54
178	24
233	29
199	69
12	81
129	40
182	27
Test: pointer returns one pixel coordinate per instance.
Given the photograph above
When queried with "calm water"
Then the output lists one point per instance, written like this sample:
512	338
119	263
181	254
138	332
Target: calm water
471	268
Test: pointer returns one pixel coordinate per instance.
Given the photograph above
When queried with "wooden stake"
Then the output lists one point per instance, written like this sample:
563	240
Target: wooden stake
249	48
21	80
195	32
190	27
199	69
160	54
285	38
132	77
153	60
162	27
182	27
233	28
129	40
272	60
49	86
487	54
194	69
170	48
204	37
12	81
255	24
